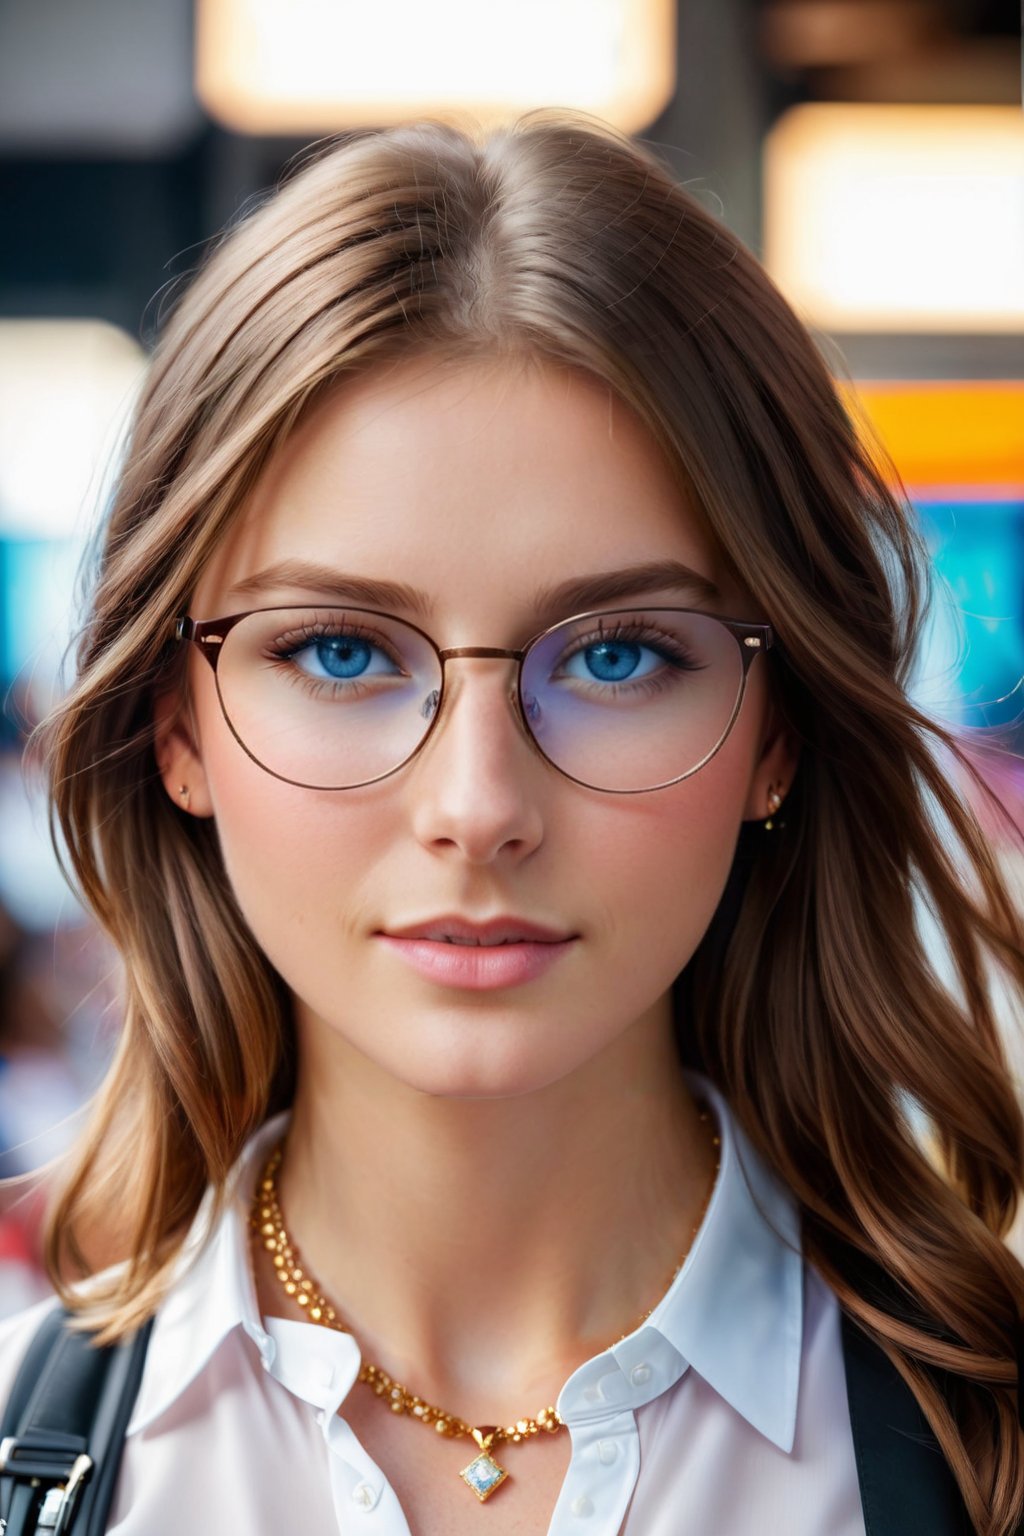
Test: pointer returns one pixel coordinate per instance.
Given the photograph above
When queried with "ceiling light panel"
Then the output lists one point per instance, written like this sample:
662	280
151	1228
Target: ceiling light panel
318	66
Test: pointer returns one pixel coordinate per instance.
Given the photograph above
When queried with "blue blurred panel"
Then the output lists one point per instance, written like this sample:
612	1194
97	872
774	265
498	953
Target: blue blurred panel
37	584
37	580
974	661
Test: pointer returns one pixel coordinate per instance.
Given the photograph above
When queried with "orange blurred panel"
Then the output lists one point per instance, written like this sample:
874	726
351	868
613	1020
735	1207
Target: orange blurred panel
955	436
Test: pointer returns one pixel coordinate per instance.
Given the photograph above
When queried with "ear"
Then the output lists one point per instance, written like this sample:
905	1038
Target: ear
177	755
776	767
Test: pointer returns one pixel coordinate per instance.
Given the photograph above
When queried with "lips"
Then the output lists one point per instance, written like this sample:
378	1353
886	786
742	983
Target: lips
502	953
451	929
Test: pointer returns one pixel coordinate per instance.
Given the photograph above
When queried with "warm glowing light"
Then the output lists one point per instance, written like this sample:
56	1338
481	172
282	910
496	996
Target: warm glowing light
66	388
898	218
316	66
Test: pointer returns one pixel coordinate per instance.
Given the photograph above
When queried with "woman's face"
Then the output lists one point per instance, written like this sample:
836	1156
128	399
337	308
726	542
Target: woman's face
475	484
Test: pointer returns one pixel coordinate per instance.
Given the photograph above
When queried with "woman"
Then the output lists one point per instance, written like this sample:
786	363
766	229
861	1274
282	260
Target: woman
491	755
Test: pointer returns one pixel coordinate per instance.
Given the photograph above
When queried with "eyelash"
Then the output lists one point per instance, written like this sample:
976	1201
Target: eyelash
290	644
640	634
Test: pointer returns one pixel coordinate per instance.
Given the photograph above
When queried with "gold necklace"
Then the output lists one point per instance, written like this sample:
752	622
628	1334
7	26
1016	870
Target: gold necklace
483	1474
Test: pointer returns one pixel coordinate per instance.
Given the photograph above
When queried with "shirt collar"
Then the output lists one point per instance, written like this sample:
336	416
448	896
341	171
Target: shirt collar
213	1290
734	1311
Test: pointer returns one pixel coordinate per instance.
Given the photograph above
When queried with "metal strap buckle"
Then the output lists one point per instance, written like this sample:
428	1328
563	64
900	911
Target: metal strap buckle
37	1463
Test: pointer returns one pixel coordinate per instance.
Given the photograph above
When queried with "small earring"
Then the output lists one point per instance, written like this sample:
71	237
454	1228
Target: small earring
186	795
774	801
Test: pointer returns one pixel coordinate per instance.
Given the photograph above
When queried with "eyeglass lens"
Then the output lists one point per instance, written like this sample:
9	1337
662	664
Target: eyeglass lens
331	698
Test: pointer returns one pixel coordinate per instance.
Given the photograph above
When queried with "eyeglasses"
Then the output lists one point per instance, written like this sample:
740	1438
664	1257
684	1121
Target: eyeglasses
335	698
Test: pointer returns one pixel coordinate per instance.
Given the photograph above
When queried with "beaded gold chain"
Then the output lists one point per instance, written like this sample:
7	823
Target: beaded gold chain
483	1474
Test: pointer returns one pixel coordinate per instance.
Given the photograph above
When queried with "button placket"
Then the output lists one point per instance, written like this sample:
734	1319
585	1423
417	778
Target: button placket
602	1473
360	1486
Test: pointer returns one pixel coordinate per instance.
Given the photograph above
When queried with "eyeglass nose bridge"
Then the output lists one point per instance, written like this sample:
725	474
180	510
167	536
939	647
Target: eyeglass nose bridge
480	650
489	652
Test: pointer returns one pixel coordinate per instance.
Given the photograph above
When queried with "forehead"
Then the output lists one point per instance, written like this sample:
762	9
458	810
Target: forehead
474	481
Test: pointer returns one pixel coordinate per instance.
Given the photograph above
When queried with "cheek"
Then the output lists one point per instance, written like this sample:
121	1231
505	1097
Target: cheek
295	858
660	862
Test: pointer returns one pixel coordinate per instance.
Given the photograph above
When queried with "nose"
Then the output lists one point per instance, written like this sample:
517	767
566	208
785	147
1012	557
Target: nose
475	785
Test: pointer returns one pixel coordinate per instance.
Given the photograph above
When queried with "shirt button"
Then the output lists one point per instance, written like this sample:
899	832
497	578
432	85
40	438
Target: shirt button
364	1495
607	1450
639	1374
582	1505
593	1394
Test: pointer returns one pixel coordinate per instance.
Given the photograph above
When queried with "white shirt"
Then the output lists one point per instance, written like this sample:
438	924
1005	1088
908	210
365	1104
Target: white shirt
724	1414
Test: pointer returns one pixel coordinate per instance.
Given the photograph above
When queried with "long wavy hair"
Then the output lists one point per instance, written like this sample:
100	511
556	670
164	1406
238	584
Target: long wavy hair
817	1008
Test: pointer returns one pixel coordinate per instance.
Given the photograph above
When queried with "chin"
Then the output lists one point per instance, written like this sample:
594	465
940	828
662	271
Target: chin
484	1068
477	1084
444	1052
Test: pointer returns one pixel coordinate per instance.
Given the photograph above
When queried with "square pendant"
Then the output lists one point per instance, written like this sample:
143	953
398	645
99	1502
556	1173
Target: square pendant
483	1475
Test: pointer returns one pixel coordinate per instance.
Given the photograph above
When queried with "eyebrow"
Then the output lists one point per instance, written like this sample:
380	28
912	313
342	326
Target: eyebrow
573	596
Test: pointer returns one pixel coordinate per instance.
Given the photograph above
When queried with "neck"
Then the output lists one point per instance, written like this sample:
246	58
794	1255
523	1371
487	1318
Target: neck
481	1249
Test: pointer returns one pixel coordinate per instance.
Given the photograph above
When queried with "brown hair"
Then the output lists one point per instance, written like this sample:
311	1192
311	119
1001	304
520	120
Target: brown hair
819	1015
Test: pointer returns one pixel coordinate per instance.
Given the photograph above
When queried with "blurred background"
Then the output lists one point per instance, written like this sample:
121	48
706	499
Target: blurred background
870	152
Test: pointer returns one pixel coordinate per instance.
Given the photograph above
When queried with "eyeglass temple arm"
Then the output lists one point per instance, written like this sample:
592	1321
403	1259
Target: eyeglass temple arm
208	637
751	638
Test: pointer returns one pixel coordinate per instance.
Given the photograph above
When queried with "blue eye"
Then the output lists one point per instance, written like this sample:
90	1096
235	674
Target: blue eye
342	658
612	661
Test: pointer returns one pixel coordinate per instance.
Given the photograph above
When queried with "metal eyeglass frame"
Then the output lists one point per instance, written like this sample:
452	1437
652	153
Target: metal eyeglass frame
209	635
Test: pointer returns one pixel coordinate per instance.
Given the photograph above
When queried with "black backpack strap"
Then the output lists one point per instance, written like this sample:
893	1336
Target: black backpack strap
63	1429
907	1488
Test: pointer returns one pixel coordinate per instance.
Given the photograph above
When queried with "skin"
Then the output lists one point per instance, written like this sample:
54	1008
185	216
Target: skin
491	1186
